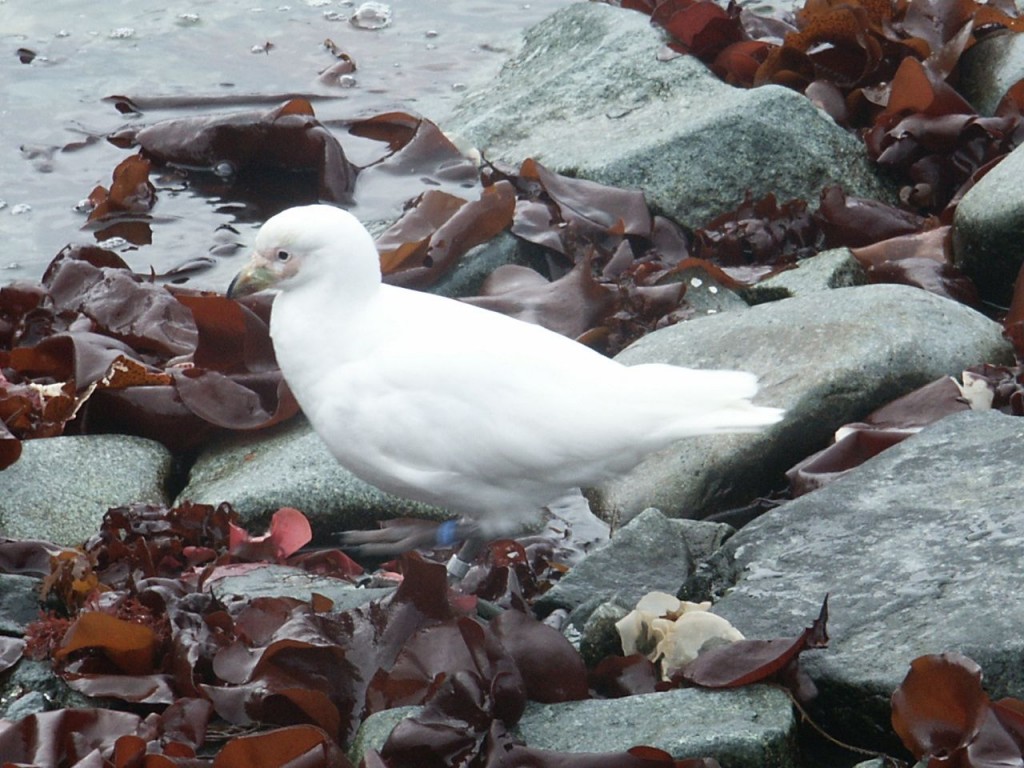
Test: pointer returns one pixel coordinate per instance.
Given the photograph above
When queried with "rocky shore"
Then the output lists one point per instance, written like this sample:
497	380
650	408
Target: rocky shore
918	548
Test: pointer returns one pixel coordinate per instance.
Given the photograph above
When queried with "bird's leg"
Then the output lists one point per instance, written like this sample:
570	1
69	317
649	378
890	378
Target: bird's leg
462	559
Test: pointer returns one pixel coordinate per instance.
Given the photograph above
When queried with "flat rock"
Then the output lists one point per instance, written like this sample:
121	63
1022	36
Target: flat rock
750	727
988	227
827	358
269	580
61	487
291	467
919	551
652	552
587	96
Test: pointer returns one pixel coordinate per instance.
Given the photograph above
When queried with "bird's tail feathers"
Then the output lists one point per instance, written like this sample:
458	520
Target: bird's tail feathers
708	401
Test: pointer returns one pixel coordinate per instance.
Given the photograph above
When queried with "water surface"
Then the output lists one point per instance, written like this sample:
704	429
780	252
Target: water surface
63	60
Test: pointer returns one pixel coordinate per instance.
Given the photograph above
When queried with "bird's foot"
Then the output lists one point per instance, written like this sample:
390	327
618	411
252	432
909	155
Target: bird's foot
398	537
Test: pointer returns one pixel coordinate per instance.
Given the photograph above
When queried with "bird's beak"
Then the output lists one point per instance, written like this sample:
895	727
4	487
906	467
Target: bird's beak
252	279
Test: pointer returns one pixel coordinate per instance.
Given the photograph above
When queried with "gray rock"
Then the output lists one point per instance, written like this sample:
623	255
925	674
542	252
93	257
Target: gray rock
752	726
286	581
828	358
988	227
30	703
61	487
19	602
31	687
292	467
652	552
824	271
989	68
919	550
748	727
600	638
587	96
471	271
707	296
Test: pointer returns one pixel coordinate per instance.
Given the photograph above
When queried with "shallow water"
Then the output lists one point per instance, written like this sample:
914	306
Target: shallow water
63	59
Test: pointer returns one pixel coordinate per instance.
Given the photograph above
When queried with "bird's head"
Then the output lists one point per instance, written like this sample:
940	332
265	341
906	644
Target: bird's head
307	243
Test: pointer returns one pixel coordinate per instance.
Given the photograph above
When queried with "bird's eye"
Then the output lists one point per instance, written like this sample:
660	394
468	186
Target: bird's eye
283	256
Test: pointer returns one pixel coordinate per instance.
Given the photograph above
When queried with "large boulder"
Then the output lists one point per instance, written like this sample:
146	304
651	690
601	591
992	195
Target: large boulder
919	552
588	96
828	358
291	467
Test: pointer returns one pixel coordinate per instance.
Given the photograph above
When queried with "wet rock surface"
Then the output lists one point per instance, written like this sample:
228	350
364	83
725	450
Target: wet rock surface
828	358
918	550
989	225
691	142
292	467
60	488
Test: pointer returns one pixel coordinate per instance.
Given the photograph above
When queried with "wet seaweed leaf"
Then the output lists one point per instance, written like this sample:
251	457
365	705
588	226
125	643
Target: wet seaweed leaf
98	348
471	224
748	661
130	192
289	532
129	646
297	745
983	387
616	676
64	736
571	305
552	670
287	138
940	707
592	211
699	27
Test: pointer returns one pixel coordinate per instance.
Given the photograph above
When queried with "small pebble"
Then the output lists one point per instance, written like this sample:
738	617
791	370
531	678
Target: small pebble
371	15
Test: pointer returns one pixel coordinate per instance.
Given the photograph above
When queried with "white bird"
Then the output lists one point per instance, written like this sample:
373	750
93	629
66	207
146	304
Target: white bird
457	406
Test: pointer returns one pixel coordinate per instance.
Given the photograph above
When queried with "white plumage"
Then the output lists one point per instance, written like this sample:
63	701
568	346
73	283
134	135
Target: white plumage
457	406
